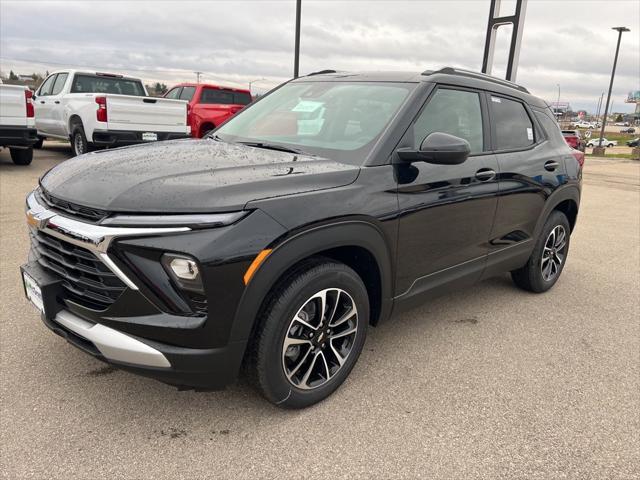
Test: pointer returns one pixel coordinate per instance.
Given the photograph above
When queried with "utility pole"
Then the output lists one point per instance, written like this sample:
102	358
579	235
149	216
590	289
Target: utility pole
620	30
599	107
558	103
296	54
198	76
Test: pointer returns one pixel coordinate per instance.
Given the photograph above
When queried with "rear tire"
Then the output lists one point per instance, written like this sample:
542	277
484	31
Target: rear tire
79	144
21	156
296	363
548	258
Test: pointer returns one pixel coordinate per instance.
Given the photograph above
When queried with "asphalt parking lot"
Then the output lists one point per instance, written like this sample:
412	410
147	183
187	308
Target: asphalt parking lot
491	382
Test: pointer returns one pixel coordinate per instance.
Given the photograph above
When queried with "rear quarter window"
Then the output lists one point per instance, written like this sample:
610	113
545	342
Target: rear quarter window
551	128
213	96
85	83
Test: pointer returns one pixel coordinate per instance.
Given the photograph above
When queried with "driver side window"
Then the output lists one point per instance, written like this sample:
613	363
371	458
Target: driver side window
456	112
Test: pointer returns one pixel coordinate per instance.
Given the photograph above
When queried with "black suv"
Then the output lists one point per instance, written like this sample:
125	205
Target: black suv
328	205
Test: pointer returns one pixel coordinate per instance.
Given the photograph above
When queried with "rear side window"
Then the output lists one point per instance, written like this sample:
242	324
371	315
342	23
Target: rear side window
59	83
84	83
513	127
552	129
187	93
456	112
211	96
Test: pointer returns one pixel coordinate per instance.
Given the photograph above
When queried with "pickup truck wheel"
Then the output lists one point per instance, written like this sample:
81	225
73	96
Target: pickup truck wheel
311	334
21	156
38	144
548	257
610	145
79	144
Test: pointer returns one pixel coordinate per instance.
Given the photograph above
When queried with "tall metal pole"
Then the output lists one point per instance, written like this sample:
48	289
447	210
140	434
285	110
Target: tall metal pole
558	102
613	73
296	58
599	107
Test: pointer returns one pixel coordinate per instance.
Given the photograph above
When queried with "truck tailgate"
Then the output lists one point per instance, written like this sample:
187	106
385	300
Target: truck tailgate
13	106
125	112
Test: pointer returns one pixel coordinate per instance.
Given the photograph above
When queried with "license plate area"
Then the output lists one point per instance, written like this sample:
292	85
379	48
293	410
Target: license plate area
149	136
33	291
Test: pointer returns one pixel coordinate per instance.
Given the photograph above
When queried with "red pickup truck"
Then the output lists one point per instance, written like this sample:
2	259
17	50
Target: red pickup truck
209	105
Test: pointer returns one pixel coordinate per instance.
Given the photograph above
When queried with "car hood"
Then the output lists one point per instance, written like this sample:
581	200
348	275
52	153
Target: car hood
190	176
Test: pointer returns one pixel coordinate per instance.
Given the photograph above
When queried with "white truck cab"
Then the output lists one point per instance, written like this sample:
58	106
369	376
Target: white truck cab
93	109
17	126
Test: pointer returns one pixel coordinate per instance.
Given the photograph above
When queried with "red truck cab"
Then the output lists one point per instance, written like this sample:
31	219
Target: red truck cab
209	105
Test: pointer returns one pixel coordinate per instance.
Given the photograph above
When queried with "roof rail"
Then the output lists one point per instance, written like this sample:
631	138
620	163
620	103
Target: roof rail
321	72
480	76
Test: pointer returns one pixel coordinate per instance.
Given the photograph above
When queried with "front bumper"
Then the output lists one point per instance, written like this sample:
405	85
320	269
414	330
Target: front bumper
11	136
118	138
202	369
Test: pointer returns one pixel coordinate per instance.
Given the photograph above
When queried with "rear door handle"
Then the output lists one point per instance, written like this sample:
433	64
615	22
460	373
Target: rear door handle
57	102
485	174
42	101
551	165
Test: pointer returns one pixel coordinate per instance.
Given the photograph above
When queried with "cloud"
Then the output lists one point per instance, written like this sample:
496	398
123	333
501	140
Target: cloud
568	43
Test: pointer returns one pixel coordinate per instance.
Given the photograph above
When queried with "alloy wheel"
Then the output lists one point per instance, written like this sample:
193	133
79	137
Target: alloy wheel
554	253
320	338
78	144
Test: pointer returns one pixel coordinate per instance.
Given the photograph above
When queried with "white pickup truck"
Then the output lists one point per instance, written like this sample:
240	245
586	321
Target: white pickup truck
17	126
93	109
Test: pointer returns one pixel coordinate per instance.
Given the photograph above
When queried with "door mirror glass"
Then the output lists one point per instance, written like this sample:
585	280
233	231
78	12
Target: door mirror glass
438	148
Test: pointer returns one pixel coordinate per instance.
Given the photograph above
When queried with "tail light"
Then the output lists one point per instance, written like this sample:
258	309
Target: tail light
101	113
28	96
579	156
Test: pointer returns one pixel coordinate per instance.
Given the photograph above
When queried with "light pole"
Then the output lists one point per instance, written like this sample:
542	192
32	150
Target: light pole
198	76
620	30
558	102
296	54
254	81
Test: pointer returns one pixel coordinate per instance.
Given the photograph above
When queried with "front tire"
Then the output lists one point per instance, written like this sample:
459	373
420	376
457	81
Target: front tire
548	258
79	144
21	156
310	334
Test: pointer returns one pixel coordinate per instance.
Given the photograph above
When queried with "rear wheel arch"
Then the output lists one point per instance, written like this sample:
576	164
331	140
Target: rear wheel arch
566	200
73	121
354	243
205	127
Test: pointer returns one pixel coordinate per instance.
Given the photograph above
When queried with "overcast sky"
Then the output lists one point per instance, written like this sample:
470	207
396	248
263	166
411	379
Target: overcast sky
565	42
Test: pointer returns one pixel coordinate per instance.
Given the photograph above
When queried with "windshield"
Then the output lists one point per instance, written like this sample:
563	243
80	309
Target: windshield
337	120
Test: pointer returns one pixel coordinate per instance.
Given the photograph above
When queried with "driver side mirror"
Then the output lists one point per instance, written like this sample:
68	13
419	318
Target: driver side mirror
438	148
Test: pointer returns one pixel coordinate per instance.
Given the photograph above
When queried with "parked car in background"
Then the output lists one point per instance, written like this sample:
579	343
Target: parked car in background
93	109
17	124
628	130
594	142
634	142
277	242
574	139
584	124
209	105
621	124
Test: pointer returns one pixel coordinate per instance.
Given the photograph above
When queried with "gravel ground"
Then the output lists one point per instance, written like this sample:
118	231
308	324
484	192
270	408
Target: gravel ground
492	382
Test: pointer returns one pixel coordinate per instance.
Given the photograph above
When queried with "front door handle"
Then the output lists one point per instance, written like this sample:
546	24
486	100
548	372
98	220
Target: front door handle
42	101
551	165
57	102
485	174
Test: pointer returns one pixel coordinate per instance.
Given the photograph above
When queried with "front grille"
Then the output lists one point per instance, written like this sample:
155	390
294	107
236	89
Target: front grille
86	213
86	280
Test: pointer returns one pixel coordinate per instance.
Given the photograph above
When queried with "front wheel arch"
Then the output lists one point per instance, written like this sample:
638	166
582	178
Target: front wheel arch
313	242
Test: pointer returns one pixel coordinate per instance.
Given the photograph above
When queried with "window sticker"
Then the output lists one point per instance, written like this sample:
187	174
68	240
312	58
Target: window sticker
307	106
496	99
529	133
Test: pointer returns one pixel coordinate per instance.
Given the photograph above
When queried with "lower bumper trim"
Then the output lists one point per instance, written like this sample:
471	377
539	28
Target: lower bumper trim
112	344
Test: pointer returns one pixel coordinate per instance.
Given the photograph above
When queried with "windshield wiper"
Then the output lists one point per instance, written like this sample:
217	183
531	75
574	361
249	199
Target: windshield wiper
275	146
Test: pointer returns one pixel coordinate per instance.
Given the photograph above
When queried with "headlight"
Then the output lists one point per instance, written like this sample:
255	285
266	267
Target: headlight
205	220
184	271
